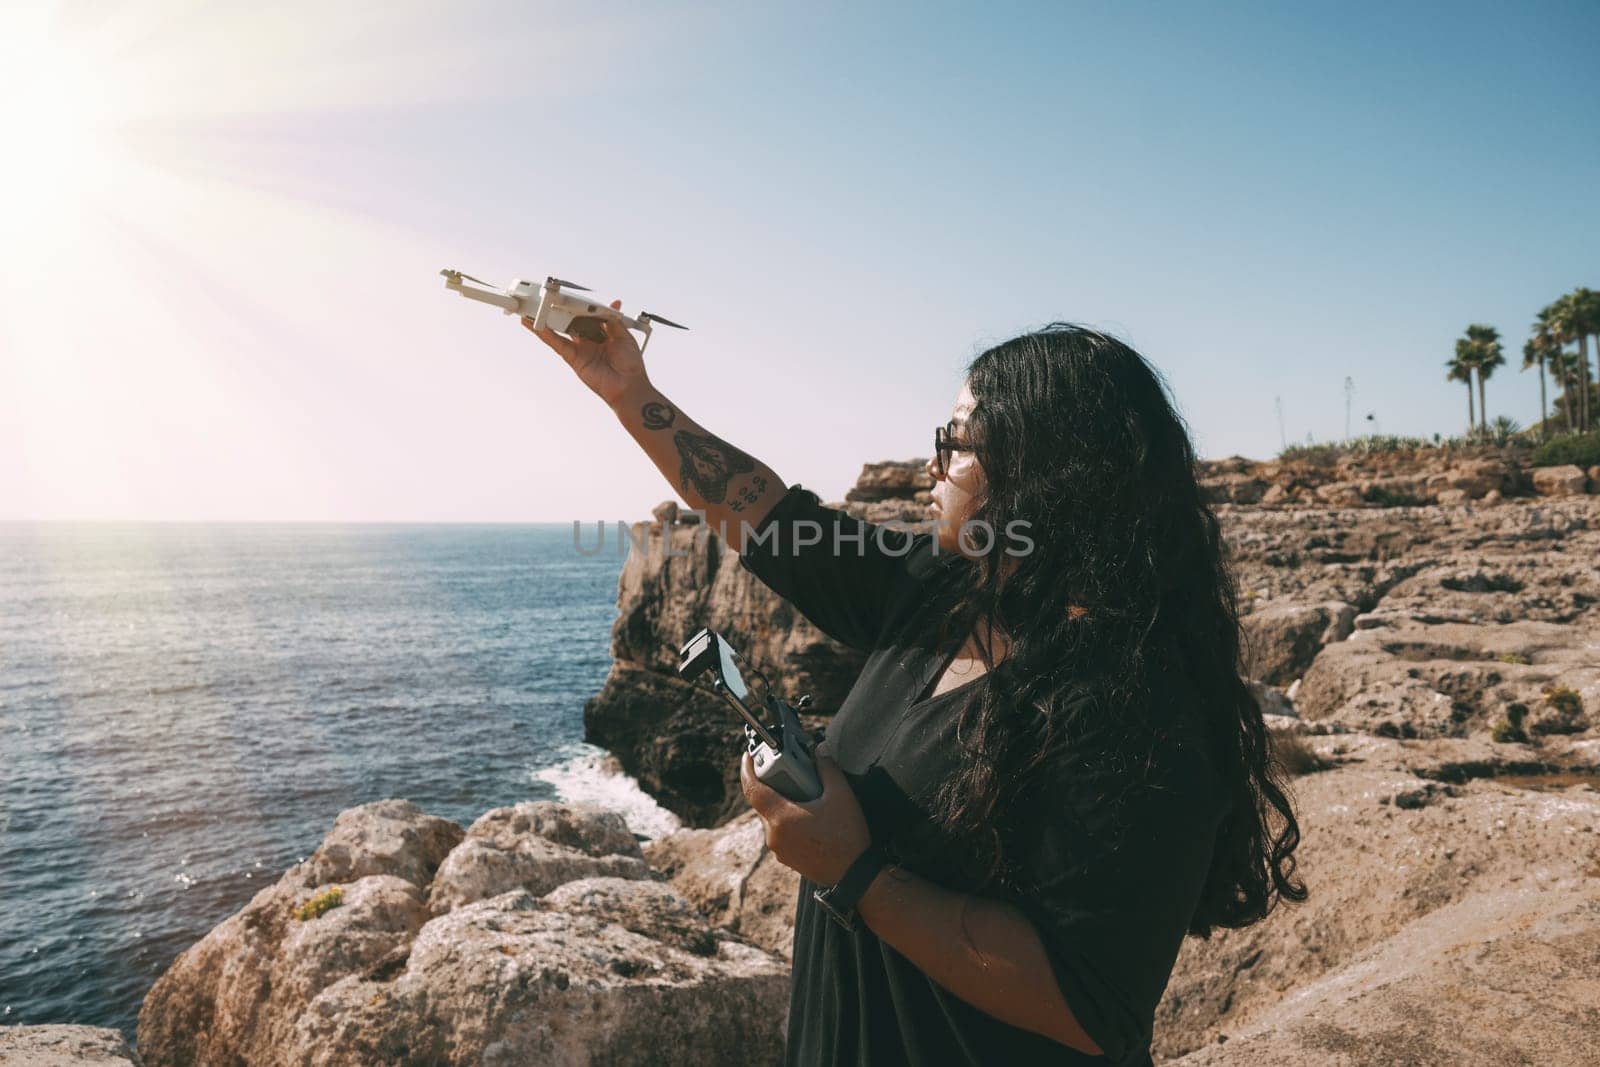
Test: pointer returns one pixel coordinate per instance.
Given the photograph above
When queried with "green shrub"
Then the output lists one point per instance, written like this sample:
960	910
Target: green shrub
1312	455
1504	429
320	905
1581	450
1509	729
1505	732
1326	454
1564	699
1386	442
1565	714
1513	657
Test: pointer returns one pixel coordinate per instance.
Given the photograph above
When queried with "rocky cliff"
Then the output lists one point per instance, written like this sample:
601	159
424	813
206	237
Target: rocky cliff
1330	476
1434	674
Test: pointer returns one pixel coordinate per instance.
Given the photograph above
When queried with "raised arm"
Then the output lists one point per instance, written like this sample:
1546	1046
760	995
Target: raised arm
732	488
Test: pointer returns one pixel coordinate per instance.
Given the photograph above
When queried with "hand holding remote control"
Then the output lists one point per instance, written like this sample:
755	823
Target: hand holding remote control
821	837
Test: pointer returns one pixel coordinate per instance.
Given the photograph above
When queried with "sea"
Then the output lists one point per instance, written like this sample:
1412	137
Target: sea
185	709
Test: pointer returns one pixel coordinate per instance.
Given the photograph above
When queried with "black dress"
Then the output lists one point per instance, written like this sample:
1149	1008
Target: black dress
1118	881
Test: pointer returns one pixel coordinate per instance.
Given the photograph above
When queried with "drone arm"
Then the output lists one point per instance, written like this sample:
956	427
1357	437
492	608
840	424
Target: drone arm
504	301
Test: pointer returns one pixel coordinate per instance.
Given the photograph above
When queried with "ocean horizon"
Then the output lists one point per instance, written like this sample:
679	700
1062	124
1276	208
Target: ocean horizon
185	707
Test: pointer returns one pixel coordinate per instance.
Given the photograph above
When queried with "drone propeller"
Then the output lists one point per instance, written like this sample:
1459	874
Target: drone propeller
653	317
559	284
457	274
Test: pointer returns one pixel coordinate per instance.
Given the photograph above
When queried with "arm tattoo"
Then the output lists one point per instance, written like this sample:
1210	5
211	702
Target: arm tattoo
709	464
749	494
657	416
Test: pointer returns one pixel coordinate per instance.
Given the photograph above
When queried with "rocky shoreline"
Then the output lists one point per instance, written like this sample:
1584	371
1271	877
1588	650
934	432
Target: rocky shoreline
1423	629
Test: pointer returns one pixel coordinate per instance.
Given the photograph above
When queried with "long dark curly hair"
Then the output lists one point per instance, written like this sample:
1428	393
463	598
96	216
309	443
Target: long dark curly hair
1126	581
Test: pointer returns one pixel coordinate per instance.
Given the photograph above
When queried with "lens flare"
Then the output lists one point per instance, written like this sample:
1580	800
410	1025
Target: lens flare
52	104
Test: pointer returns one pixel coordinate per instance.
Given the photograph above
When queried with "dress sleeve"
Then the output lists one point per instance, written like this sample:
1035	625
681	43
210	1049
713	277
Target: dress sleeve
842	573
1116	871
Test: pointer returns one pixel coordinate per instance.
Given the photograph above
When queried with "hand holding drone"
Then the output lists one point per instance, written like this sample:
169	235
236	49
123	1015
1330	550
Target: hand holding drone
555	305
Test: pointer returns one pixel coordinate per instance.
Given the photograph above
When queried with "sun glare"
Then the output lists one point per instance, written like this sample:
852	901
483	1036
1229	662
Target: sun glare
52	105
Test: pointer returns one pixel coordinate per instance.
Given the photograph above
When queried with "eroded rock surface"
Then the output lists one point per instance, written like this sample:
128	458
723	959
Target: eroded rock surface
1282	639
64	1046
540	935
1454	917
730	875
1334	477
536	846
1464	614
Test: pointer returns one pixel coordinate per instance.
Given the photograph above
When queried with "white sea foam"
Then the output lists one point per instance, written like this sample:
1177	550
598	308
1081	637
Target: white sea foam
591	775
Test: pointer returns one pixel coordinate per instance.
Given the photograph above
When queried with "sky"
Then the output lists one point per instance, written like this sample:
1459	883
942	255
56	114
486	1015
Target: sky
222	226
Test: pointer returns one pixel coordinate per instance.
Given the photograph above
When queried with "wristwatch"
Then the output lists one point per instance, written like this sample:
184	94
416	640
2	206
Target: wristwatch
839	900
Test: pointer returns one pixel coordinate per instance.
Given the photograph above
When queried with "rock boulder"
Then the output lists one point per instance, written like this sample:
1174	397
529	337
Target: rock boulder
1282	639
730	875
538	936
1566	480
536	846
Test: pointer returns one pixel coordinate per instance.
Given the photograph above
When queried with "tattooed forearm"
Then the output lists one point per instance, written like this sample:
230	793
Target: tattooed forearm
749	494
709	464
730	486
657	415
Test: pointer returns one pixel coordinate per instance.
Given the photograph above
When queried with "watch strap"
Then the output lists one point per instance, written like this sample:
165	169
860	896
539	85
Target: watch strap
840	899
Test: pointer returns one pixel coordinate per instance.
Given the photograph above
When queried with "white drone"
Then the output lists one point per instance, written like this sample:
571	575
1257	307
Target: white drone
554	305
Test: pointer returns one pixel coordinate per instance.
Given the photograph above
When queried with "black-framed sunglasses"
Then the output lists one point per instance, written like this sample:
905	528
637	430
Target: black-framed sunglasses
944	444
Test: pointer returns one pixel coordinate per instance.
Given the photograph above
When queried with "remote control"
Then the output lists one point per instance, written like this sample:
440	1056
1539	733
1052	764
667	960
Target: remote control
782	752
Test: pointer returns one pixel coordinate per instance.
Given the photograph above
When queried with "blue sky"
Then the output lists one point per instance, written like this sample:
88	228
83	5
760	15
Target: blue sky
845	203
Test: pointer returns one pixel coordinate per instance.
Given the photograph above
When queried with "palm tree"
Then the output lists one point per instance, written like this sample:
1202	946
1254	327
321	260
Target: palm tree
1487	355
1479	350
1547	336
1586	306
1557	318
1571	316
1564	368
1535	353
1460	370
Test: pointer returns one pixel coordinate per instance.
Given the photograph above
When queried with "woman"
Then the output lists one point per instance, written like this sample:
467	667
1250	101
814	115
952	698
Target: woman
1049	769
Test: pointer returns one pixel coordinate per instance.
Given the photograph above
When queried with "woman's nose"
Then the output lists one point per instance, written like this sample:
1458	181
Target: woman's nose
932	468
